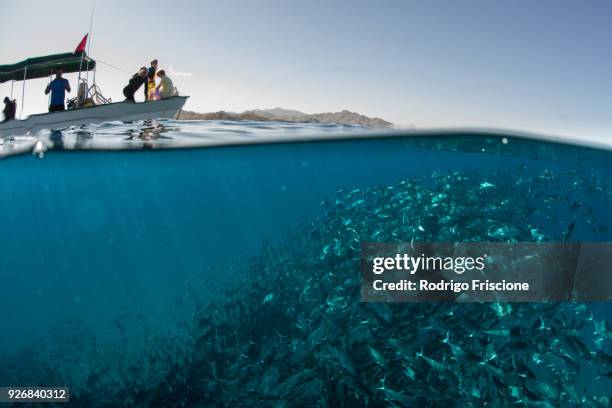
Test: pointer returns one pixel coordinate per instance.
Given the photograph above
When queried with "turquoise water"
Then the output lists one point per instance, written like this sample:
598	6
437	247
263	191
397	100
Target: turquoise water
121	255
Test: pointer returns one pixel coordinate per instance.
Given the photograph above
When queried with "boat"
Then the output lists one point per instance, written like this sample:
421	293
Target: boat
90	106
117	111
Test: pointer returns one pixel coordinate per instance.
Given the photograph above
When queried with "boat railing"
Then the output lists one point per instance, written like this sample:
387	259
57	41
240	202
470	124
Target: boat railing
95	94
87	96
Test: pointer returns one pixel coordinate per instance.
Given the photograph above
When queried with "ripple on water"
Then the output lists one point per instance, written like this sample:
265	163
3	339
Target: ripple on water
166	133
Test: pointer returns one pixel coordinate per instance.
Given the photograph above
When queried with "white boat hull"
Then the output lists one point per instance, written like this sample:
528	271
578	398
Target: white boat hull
121	111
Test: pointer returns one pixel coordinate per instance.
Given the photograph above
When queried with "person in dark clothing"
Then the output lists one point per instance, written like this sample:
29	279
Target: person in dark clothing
135	83
152	70
10	107
58	88
151	77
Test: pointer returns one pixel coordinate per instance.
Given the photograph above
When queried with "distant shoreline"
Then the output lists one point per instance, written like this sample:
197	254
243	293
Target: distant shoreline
278	114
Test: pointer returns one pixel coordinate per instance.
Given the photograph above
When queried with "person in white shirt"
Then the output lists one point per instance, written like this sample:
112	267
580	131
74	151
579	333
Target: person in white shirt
165	87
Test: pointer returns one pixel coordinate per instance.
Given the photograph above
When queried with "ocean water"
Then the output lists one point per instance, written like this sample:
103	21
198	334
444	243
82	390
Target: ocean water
187	264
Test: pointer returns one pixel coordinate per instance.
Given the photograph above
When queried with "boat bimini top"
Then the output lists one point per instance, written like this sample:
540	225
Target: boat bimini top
41	67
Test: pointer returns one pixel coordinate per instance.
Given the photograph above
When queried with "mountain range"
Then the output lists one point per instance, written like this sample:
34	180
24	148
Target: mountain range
344	117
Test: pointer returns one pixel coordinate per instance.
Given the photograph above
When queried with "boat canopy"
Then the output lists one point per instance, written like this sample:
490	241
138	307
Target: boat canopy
40	67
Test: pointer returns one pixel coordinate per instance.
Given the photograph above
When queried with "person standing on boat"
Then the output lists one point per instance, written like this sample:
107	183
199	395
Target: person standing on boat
10	107
151	78
135	83
58	88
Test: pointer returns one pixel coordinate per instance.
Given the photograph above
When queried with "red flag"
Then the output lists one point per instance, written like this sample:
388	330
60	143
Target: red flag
81	47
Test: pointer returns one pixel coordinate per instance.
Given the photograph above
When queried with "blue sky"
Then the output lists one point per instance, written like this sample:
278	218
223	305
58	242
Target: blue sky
543	66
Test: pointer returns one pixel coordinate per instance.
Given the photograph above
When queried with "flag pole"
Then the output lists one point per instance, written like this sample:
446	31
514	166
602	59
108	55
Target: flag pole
79	79
89	43
89	33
